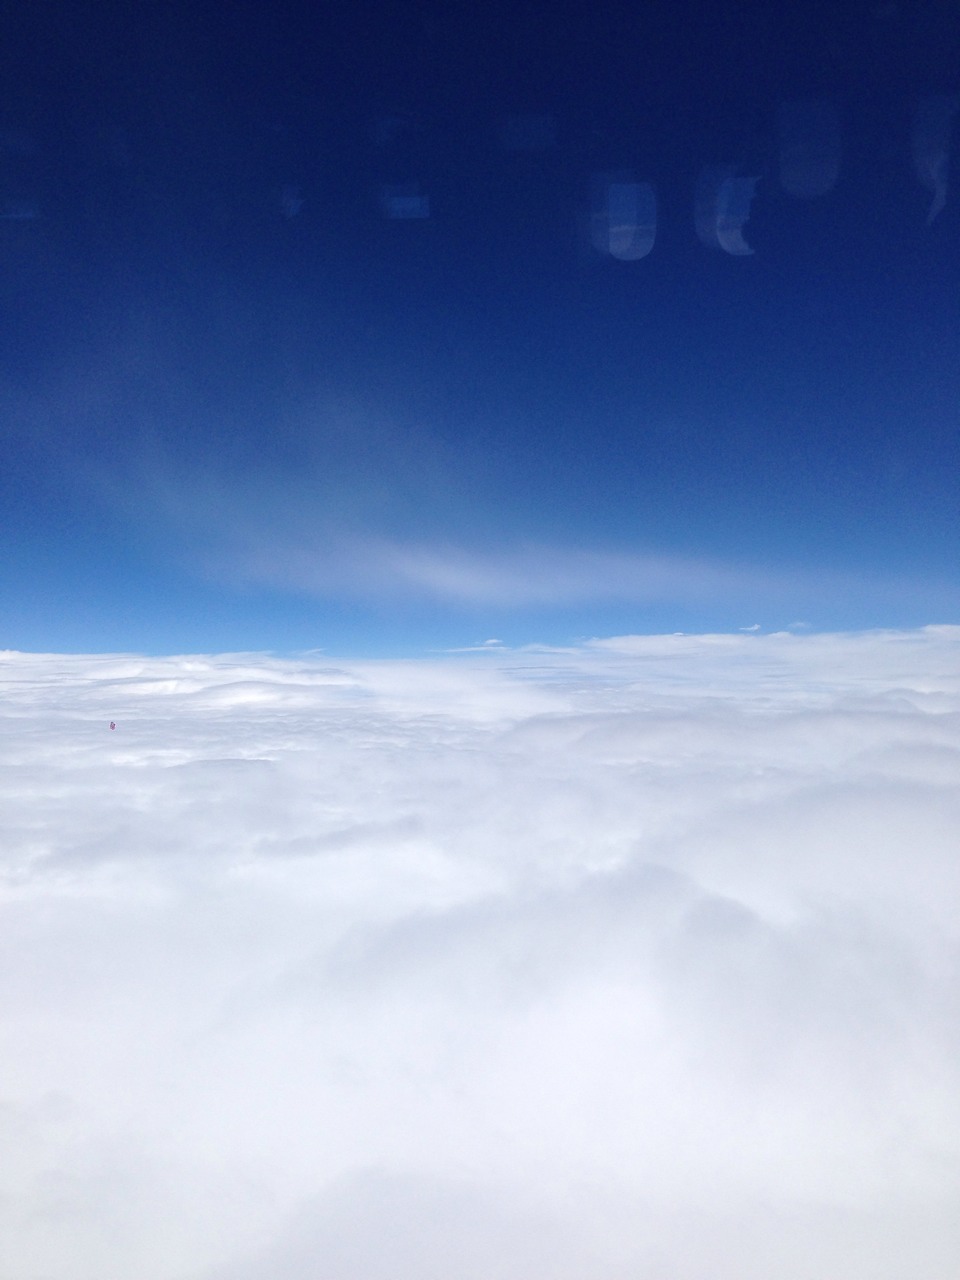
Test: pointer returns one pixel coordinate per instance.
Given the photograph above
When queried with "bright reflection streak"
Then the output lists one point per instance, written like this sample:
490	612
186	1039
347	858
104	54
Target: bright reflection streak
404	202
722	208
624	217
932	127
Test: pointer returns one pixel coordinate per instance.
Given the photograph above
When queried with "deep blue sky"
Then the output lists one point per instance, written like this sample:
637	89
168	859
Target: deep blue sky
243	408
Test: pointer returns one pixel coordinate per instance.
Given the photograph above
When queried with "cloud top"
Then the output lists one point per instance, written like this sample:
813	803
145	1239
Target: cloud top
631	959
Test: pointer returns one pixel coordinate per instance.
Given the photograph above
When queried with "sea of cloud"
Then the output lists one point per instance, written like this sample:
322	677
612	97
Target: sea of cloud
638	960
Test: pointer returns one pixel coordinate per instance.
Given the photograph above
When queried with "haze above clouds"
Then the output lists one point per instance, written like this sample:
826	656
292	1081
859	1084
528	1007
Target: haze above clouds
636	959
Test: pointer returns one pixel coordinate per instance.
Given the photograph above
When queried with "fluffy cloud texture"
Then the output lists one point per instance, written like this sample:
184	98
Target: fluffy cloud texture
634	961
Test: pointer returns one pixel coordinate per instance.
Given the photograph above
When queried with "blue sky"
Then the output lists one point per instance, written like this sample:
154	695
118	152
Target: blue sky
243	407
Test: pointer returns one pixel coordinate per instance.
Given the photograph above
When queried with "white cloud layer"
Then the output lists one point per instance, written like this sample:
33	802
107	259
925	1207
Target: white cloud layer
636	961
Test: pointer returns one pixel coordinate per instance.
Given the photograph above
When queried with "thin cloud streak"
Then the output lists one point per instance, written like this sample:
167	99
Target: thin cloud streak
533	576
341	502
633	958
527	576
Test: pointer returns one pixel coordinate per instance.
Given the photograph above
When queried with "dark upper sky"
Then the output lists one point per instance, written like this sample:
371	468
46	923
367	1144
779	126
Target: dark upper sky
306	301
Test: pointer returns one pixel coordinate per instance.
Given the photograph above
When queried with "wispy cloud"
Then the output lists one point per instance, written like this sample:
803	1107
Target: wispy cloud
532	576
524	576
327	496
